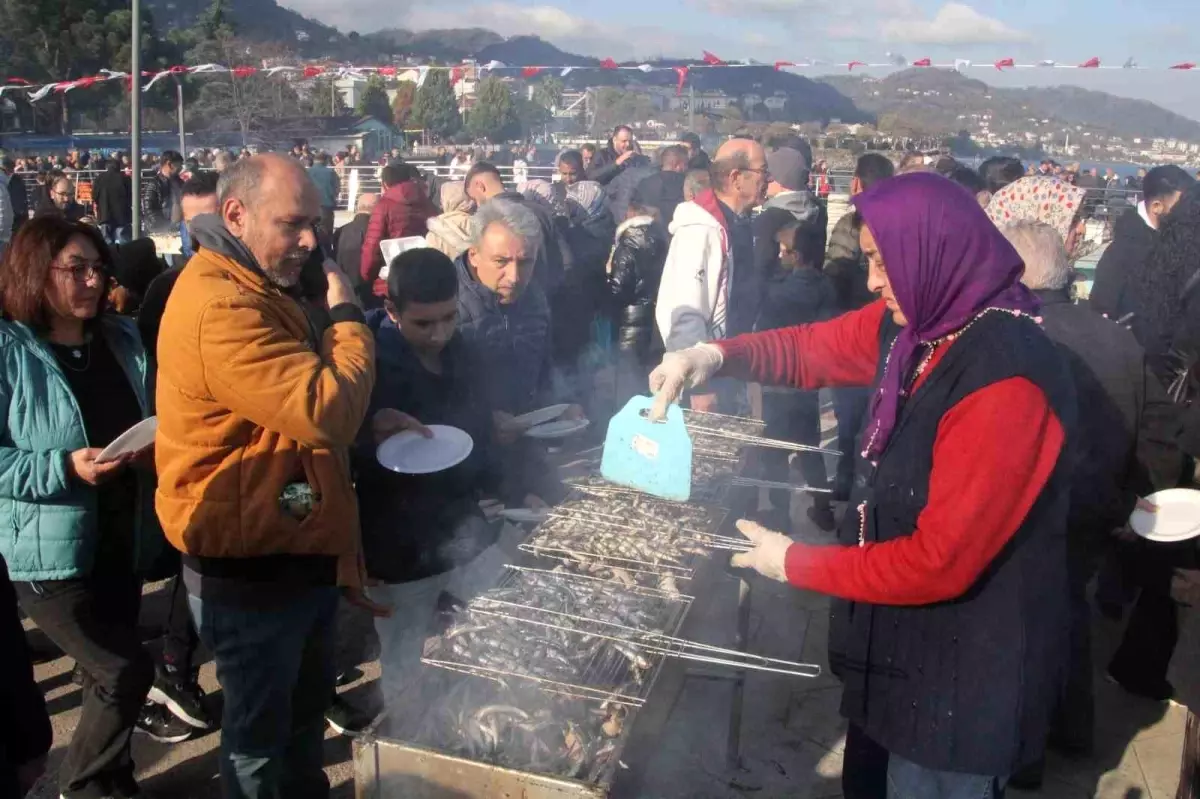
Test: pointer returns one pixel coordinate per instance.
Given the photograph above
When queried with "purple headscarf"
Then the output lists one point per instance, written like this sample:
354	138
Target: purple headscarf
946	262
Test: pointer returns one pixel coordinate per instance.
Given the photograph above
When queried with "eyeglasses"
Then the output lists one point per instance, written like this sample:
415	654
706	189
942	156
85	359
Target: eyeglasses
82	271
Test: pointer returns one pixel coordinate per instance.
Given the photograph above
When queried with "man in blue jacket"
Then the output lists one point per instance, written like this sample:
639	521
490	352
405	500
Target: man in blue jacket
328	188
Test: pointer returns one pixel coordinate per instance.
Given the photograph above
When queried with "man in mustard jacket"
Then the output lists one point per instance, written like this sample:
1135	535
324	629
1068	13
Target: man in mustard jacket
257	408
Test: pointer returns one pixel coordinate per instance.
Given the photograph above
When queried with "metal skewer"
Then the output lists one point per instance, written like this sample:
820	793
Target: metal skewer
760	441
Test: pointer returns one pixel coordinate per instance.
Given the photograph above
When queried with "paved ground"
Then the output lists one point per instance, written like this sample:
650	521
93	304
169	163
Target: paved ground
792	734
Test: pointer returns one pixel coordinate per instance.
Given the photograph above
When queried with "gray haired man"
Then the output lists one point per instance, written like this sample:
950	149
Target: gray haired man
1125	449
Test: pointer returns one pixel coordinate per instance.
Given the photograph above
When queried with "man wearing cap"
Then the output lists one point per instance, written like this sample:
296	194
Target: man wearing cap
788	199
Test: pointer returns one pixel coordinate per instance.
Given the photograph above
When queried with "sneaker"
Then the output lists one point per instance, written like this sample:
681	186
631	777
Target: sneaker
184	698
158	723
346	719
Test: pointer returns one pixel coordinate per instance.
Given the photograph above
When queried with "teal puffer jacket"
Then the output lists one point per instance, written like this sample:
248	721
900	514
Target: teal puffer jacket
48	519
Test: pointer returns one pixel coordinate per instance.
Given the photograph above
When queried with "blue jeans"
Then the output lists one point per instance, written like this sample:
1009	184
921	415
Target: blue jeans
276	670
907	780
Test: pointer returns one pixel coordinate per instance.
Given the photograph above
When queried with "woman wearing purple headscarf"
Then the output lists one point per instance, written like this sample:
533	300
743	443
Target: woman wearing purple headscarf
950	574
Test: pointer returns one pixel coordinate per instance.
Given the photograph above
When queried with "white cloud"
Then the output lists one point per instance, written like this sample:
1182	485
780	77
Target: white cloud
953	24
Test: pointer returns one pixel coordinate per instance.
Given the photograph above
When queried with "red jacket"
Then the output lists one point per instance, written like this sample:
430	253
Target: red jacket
402	211
994	452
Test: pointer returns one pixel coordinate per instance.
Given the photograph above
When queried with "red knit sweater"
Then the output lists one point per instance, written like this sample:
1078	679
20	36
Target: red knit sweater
993	454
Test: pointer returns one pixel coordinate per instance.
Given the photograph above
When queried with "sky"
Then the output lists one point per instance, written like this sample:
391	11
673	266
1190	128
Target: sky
1155	33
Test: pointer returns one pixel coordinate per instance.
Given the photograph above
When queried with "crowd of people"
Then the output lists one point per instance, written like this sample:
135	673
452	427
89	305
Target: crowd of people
997	434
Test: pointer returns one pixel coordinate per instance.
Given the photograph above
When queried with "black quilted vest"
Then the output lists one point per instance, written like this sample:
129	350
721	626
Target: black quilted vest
966	685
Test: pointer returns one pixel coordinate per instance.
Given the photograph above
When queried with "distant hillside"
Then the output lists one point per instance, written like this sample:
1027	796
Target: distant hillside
260	20
441	45
937	100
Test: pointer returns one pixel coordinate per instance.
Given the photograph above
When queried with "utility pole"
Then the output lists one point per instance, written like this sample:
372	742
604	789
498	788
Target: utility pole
179	113
135	117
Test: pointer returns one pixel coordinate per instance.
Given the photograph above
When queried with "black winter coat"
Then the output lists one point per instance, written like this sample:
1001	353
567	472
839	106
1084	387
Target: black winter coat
847	266
112	195
416	526
25	733
347	248
604	166
637	264
621	189
796	297
1131	245
662	190
1126	445
18	193
160	203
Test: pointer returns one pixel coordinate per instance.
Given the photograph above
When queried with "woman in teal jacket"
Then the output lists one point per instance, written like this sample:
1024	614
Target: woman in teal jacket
76	532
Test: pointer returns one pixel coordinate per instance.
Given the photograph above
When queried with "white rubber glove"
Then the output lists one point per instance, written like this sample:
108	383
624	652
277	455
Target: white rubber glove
679	370
769	556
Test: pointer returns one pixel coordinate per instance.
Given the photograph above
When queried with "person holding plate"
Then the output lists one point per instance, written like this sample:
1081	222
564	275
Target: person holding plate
950	572
420	531
82	528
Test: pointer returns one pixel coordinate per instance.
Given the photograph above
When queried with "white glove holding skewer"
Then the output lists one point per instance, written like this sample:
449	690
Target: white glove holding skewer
769	556
679	370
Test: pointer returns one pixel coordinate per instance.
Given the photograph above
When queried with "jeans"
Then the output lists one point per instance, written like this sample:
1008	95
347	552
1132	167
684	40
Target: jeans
94	620
907	780
180	640
850	408
276	669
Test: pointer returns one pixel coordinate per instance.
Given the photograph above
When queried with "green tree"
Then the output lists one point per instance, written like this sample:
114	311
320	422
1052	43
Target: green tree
374	101
435	108
495	114
616	106
323	99
402	104
532	115
549	93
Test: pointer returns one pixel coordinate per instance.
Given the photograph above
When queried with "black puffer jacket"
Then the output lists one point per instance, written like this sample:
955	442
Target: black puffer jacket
1132	241
636	269
604	166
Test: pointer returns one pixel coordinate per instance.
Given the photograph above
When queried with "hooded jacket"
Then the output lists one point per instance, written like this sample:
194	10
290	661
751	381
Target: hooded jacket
512	342
694	293
780	210
251	398
403	210
327	183
50	518
416	526
635	270
847	266
620	190
1131	244
450	233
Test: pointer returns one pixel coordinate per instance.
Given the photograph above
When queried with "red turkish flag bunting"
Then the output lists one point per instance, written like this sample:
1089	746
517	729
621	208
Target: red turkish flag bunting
608	63
312	72
854	64
529	72
387	71
712	60
782	64
682	72
243	72
1184	65
1091	63
456	74
1004	62
924	62
19	81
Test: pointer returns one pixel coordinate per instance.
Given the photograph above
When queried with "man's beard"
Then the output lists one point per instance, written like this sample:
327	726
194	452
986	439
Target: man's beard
282	281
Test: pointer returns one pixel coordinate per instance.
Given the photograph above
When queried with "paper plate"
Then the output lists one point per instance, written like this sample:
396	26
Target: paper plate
135	439
1177	517
525	515
559	429
393	247
542	415
411	453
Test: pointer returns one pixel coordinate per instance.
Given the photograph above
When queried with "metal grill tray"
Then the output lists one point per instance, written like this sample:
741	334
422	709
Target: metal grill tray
630	533
570	634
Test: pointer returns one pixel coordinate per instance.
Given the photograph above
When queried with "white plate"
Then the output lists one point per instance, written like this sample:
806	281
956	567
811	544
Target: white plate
411	453
393	247
559	429
542	415
525	515
135	439
1177	517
